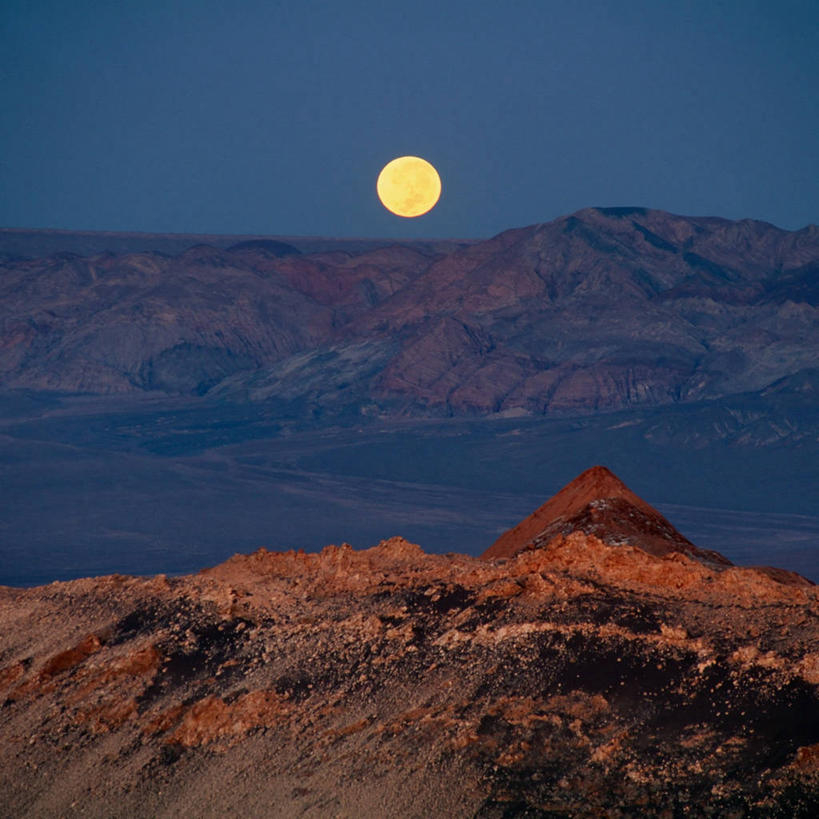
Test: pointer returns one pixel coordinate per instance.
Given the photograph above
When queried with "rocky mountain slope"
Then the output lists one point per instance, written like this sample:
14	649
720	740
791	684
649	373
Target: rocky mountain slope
576	678
607	308
599	503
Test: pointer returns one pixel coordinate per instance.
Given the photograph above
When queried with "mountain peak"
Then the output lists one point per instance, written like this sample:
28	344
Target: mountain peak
598	503
596	483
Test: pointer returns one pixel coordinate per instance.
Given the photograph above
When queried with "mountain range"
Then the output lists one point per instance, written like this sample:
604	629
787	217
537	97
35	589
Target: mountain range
572	674
607	308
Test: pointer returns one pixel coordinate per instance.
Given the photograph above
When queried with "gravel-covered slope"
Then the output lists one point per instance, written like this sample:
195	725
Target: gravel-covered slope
579	679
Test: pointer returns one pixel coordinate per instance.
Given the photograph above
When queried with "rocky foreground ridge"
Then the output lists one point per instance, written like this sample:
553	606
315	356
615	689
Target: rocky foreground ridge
572	678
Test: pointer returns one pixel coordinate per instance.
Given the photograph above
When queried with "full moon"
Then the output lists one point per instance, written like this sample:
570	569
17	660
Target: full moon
408	186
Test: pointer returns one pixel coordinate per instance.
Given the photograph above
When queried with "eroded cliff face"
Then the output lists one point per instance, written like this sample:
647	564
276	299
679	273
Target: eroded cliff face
576	679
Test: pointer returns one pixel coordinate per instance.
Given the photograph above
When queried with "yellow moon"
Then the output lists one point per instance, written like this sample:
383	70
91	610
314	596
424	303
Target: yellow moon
408	186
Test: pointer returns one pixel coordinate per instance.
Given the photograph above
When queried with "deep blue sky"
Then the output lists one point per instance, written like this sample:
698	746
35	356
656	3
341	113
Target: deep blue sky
251	116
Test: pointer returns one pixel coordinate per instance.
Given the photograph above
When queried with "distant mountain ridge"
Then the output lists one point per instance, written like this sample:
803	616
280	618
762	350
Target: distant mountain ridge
31	243
603	309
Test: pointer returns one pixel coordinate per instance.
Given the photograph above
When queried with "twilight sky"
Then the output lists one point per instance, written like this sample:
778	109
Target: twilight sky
258	116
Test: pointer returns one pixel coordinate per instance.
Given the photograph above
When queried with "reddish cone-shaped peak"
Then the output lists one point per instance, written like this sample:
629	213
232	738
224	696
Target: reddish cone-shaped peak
598	503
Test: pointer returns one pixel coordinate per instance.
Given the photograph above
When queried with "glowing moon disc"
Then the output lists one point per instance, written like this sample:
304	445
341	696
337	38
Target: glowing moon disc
408	186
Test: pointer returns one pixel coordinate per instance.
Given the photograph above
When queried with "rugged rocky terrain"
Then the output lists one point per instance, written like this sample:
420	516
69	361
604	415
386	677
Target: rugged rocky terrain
607	308
574	678
598	503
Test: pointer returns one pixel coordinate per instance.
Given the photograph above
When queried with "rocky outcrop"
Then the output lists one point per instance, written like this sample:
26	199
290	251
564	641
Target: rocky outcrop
598	503
581	679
